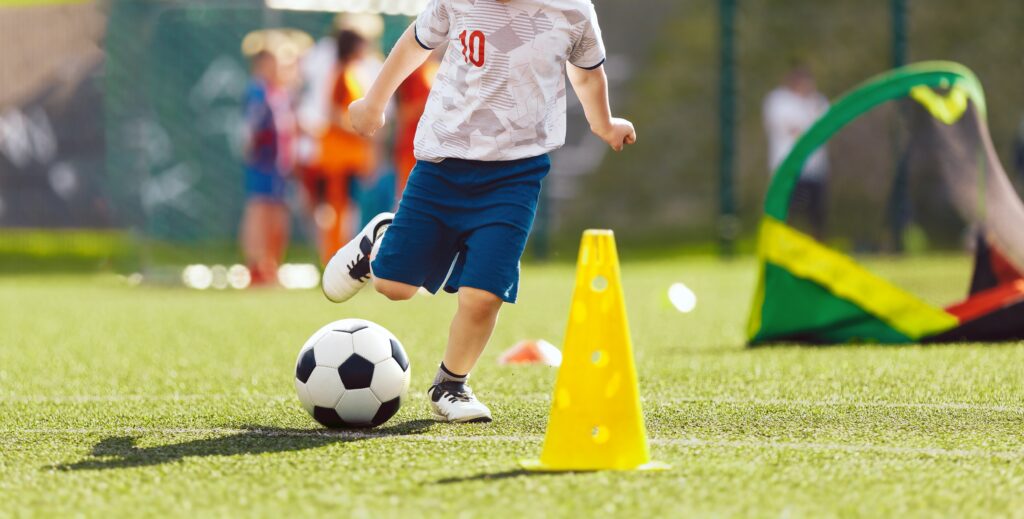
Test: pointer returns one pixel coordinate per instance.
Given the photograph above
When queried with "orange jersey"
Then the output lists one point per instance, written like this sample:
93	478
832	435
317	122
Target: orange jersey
412	99
343	152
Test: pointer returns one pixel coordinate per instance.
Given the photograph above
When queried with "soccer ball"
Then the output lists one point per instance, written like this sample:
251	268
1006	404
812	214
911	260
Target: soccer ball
352	373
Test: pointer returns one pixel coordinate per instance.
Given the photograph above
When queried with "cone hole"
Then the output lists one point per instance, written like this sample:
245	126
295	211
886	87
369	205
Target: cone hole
599	283
599	358
599	434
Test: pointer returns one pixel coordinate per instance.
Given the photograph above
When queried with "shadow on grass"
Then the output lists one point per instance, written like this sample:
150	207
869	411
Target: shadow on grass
494	476
117	452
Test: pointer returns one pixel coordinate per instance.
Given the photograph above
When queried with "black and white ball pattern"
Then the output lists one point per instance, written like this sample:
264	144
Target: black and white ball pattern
352	373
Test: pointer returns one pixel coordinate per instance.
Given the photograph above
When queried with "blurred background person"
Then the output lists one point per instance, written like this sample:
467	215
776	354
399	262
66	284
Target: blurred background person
314	106
344	156
789	111
319	69
411	99
270	130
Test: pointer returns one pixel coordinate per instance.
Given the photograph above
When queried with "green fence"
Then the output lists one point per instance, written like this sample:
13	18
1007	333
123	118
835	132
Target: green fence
130	120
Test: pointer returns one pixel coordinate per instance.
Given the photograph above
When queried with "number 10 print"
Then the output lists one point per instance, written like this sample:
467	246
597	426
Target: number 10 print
473	47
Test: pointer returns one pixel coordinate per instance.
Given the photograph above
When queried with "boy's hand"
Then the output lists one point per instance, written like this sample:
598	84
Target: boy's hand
618	133
366	119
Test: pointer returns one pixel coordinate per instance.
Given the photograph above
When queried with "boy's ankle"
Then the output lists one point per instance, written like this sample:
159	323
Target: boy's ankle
446	375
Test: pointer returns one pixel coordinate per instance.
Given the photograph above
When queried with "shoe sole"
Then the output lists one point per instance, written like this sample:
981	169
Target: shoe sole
477	419
323	290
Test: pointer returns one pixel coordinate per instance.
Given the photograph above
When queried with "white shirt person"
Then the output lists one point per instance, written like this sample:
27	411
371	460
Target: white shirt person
789	111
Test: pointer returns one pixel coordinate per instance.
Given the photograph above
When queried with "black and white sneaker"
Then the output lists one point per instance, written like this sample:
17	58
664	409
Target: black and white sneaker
455	402
349	270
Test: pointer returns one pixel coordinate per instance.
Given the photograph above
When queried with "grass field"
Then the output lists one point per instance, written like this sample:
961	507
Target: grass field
118	401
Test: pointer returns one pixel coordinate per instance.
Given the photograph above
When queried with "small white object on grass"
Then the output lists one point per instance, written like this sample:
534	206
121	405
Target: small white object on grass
239	277
682	297
298	276
220	277
197	276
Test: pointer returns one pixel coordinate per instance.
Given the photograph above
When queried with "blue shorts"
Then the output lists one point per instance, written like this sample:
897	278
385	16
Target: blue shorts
265	185
463	223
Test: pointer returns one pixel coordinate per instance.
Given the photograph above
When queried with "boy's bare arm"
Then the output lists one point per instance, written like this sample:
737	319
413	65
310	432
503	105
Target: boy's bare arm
591	87
367	114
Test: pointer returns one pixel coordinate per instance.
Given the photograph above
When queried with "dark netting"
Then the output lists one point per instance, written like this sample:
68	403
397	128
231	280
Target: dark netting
899	177
975	182
858	182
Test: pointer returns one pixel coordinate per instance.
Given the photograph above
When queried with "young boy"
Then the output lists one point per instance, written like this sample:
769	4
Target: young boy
496	109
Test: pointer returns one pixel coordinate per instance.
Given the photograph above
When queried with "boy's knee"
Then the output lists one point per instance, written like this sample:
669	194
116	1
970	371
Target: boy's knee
480	304
394	290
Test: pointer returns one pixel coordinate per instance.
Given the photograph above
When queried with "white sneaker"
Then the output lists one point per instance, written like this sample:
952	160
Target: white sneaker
455	402
349	270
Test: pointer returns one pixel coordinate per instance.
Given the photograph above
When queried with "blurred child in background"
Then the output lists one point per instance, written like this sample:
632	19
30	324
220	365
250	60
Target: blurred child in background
344	155
269	133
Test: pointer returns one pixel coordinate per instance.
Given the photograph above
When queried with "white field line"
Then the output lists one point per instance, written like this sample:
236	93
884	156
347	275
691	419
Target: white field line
86	399
948	406
672	442
176	397
843	447
415	395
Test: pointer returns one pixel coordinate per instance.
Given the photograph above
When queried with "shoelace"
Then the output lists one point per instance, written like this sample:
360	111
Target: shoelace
352	268
454	392
359	268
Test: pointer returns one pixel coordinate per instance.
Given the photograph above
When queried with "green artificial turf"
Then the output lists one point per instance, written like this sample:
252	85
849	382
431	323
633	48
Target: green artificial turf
147	401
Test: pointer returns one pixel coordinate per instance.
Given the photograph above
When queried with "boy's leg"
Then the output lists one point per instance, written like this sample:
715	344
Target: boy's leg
394	290
410	249
451	399
500	226
471	328
492	265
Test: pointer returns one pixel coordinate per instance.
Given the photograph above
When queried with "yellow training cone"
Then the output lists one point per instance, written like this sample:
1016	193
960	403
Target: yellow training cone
596	422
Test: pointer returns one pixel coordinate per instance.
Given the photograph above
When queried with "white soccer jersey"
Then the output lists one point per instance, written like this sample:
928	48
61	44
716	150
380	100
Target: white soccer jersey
500	91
